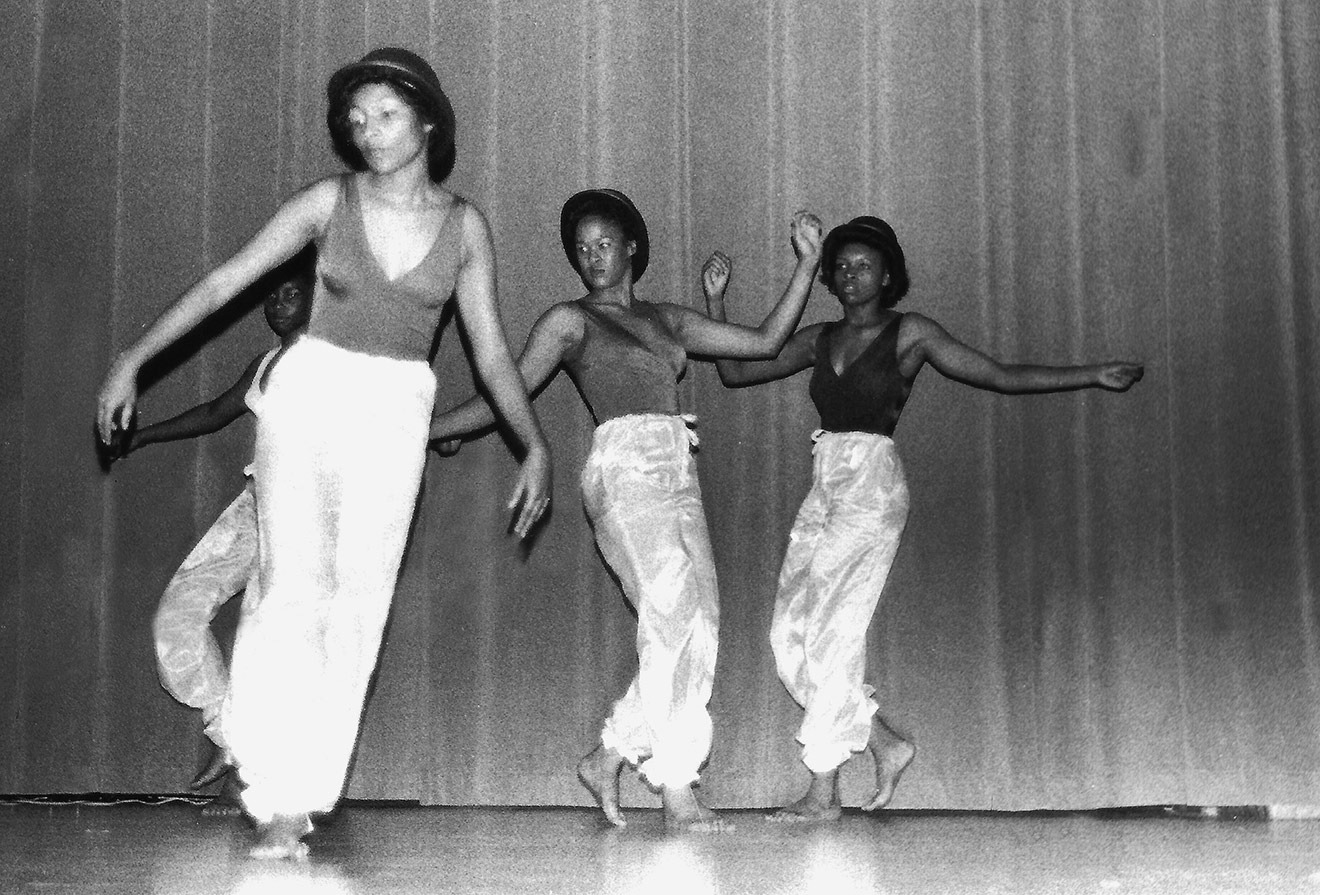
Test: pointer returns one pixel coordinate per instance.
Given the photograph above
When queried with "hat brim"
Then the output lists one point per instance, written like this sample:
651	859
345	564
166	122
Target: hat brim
625	210
850	232
432	95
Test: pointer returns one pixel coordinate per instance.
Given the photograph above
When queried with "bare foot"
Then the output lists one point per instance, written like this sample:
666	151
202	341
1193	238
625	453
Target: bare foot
599	773
684	814
892	755
821	803
227	802
281	839
216	767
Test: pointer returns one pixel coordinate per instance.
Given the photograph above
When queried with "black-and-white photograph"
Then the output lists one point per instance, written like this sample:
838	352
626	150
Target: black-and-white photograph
660	446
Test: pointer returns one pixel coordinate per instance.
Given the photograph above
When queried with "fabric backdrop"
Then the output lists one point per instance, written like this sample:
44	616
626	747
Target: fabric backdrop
1101	599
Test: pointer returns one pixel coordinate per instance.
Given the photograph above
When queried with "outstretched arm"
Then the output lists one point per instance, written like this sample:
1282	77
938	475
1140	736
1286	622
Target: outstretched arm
930	343
475	290
294	225
203	419
700	334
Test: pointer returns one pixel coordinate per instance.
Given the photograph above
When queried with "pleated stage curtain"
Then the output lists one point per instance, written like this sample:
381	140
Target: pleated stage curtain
1100	599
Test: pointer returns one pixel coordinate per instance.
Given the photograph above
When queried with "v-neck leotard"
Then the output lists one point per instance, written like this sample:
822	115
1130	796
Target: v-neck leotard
620	371
869	394
356	306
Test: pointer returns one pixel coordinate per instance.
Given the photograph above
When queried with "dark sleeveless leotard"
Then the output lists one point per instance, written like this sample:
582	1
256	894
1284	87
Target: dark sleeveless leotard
355	306
620	372
870	393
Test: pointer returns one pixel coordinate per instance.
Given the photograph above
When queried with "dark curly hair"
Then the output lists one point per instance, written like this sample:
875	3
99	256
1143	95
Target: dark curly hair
440	152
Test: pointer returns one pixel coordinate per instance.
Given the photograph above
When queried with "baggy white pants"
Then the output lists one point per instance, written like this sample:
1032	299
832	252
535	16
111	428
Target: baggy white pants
839	554
641	493
188	659
341	442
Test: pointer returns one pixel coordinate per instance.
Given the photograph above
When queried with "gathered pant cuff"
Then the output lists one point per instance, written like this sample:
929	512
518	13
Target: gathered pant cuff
612	741
823	756
824	759
263	810
215	732
659	774
656	772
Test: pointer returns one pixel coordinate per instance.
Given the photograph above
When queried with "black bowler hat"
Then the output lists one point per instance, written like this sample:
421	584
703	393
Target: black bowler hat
399	66
870	231
616	205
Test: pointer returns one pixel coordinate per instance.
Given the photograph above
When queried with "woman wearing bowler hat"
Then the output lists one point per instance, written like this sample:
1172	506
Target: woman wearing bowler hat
639	484
342	425
847	531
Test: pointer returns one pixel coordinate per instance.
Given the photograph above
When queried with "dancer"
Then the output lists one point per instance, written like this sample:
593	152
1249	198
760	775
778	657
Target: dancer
342	426
639	484
847	531
286	309
188	659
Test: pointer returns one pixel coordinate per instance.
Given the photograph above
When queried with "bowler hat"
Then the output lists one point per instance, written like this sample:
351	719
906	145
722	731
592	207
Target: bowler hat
399	66
870	231
620	207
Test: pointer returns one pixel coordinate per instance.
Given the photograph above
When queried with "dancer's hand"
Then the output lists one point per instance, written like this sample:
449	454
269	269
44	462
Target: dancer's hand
532	491
715	275
808	235
122	443
116	402
444	437
1119	376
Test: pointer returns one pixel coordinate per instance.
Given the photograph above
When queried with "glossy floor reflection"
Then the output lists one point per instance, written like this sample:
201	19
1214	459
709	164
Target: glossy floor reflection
170	848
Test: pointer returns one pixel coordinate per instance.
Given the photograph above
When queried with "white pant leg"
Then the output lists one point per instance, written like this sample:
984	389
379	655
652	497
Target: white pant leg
840	551
341	440
641	492
188	659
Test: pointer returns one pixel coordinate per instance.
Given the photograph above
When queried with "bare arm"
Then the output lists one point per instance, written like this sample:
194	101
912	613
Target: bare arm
477	305
701	334
294	225
928	342
551	338
203	419
798	353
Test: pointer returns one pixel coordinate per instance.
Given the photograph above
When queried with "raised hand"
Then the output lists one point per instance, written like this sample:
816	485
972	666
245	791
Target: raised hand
807	234
1119	376
715	274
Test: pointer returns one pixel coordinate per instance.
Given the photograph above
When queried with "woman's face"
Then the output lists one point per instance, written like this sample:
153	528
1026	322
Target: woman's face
604	256
385	129
287	308
859	273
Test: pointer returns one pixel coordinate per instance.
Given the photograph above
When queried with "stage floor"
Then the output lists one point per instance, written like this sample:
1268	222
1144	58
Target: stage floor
170	849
